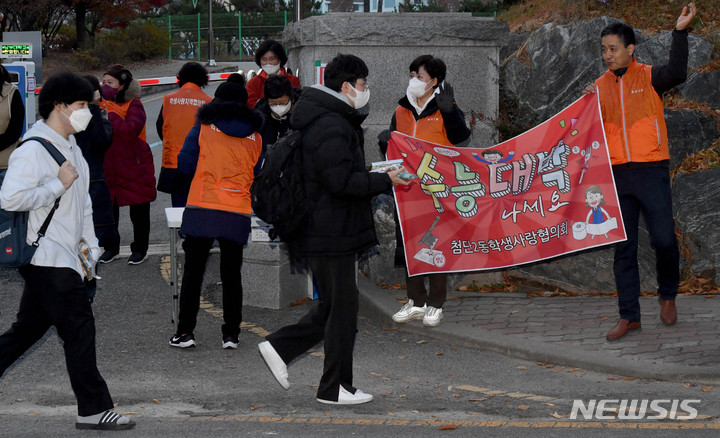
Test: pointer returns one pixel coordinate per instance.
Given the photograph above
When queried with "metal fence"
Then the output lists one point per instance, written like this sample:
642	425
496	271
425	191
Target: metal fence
235	35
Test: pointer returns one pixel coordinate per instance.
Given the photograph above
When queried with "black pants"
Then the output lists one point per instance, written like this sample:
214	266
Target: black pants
647	191
57	297
333	319
416	289
197	250
140	218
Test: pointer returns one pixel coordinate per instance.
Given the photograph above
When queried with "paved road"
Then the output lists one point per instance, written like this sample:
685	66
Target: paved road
493	368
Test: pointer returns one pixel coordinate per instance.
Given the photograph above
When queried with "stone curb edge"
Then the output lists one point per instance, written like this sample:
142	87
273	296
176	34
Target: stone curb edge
377	305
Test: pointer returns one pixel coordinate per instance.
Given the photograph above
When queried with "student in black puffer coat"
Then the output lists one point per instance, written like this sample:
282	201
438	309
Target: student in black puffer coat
341	227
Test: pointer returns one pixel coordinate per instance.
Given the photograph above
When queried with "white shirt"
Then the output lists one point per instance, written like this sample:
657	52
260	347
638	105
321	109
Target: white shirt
32	184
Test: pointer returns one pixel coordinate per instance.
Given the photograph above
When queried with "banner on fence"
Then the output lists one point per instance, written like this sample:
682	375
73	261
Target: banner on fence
547	192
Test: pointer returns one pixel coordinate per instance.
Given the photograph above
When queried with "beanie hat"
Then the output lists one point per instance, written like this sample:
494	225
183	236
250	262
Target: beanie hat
120	73
231	91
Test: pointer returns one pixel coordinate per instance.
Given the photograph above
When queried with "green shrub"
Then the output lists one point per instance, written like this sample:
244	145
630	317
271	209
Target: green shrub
137	42
145	41
85	60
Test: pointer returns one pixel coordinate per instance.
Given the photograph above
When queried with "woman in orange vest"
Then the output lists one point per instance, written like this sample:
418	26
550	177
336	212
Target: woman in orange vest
176	118
129	169
219	156
271	58
428	112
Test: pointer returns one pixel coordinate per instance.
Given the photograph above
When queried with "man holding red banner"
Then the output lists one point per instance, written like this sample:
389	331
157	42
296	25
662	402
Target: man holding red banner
428	112
632	111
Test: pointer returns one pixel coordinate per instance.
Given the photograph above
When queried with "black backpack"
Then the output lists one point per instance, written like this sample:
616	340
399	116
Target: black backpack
278	192
14	249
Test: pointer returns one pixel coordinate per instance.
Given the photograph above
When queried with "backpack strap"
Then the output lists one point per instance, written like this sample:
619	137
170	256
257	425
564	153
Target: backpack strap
60	159
52	150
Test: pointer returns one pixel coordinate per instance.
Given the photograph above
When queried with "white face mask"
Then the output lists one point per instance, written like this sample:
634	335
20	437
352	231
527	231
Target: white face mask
79	119
361	98
416	88
271	69
281	110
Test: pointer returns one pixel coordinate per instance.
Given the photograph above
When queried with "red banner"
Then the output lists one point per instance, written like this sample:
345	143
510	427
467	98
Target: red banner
547	192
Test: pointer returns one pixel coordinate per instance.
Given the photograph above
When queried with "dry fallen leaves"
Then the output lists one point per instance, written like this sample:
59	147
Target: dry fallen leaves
448	427
706	388
523	408
556	415
478	399
521	367
156	401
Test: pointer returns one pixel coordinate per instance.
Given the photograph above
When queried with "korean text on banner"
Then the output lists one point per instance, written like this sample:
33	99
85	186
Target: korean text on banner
547	192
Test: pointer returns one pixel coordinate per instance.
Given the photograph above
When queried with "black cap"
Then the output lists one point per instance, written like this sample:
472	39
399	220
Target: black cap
231	91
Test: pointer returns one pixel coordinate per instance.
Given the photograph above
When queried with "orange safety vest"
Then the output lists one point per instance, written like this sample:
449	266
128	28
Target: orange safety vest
179	109
431	128
120	109
224	171
633	115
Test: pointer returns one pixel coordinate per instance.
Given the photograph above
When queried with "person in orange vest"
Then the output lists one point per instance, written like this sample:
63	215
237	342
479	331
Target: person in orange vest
129	168
219	156
176	118
271	58
427	111
631	103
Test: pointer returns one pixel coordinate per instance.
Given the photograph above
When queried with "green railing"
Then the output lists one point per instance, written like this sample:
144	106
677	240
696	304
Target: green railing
236	36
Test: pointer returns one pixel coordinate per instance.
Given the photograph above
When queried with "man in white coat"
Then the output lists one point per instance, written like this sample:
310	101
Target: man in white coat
55	293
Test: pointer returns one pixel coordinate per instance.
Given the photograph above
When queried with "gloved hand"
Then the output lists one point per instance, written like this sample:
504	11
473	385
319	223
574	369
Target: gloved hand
383	139
384	136
445	98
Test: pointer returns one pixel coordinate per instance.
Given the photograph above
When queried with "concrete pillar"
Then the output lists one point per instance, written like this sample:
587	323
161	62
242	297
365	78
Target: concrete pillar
470	46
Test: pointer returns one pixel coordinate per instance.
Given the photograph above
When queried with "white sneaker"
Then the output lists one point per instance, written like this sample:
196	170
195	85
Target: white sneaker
275	363
433	316
408	312
346	398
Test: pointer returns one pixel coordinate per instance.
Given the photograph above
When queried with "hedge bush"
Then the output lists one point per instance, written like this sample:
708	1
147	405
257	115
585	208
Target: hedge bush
137	42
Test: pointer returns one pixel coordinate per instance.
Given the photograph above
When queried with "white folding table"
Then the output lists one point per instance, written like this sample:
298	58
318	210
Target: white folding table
174	215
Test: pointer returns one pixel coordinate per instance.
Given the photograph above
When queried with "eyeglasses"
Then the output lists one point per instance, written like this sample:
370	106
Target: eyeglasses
364	85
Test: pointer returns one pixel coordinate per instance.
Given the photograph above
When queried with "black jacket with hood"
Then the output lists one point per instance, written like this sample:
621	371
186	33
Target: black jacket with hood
338	182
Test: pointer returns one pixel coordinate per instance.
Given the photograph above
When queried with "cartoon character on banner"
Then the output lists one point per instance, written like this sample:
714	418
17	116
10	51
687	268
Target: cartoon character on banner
493	156
598	221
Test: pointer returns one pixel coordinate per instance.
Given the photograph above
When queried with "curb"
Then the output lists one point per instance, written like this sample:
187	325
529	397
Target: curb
377	305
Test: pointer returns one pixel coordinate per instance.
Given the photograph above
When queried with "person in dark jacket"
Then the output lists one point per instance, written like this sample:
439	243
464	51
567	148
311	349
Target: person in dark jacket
631	103
277	105
219	155
129	169
340	227
427	111
94	141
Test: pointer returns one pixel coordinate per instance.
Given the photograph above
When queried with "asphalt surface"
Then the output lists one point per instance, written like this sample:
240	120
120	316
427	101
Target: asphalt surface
422	378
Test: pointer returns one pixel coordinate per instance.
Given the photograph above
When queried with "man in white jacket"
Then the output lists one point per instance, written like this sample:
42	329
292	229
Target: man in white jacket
55	294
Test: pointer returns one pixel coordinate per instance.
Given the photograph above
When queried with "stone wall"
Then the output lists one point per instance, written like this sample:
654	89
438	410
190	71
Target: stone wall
470	46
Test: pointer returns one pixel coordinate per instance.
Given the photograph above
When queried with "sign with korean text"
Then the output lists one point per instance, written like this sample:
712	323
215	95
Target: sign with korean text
16	50
547	192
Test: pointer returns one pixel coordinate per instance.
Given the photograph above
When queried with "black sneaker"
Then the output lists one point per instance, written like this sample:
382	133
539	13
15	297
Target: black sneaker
186	340
108	256
230	342
137	257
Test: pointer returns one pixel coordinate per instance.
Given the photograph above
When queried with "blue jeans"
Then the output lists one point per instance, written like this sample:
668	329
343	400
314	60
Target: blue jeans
646	190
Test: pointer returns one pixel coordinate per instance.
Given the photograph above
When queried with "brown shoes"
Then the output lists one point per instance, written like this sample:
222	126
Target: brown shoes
668	312
621	328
